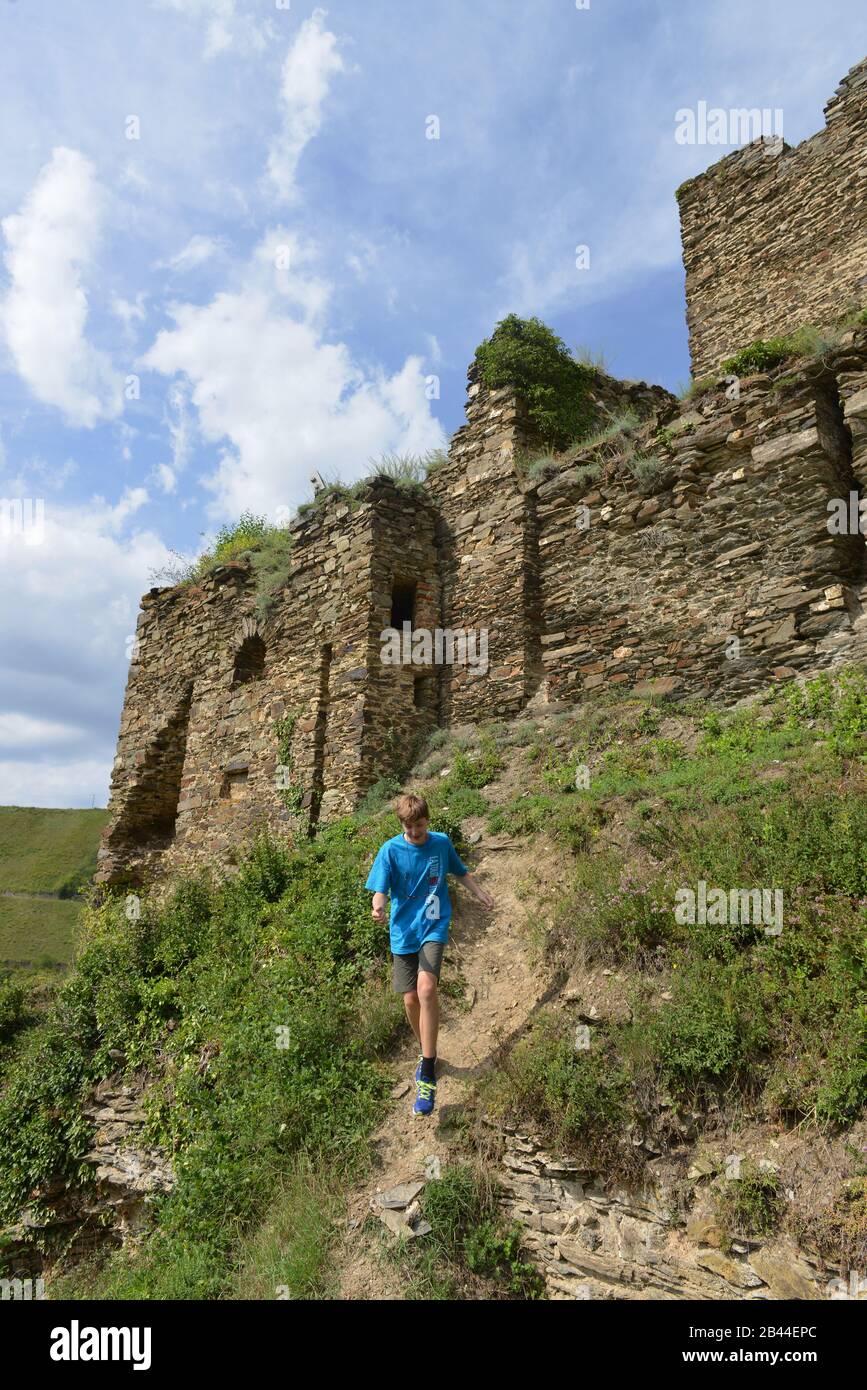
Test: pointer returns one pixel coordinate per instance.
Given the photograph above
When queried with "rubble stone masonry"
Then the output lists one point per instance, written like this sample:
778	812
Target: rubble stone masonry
695	557
775	237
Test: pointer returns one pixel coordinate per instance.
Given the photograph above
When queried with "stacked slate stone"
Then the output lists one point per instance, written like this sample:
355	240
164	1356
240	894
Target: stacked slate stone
775	237
593	1239
721	573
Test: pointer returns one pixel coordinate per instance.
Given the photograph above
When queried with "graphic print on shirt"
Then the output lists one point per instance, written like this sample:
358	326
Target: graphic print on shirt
432	902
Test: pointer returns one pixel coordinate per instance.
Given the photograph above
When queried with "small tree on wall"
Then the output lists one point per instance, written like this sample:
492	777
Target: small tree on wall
527	355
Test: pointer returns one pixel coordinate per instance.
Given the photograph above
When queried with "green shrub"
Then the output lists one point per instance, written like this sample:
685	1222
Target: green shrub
476	772
496	1253
536	465
713	1033
760	356
752	1205
579	1099
838	1230
267	547
527	355
692	390
621	424
467	1244
271	558
837	703
648	470
380	795
587	474
267	869
630	919
435	459
565	818
253	1002
13	1008
406	470
461	802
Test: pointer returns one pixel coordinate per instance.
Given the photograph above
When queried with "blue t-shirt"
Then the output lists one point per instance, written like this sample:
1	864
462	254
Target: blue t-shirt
415	876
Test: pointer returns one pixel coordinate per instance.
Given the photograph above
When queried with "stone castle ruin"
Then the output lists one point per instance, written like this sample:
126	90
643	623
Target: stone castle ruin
694	552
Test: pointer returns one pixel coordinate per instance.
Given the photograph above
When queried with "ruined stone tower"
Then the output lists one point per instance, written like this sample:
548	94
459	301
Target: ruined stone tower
698	559
775	237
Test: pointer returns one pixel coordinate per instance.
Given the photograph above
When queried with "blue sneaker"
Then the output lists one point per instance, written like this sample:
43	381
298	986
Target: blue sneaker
424	1099
418	1067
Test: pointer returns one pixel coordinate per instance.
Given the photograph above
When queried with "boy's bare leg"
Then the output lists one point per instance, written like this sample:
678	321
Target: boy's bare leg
413	1009
429	1012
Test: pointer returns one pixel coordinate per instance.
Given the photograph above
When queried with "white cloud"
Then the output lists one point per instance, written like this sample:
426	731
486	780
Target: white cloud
197	250
36	474
362	260
55	782
128	312
166	477
65	635
43	316
225	26
543	273
181	427
308	68
16	729
284	400
133	498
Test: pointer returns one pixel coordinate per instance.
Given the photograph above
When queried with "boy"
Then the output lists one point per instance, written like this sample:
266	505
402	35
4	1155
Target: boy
412	867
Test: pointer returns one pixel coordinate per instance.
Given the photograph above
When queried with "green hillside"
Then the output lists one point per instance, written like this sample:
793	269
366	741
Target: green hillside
47	851
44	852
35	928
728	1027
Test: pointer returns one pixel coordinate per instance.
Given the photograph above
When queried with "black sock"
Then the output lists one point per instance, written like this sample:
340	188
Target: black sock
428	1065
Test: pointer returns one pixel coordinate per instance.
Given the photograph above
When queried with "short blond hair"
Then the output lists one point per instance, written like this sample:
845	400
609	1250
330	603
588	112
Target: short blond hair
409	809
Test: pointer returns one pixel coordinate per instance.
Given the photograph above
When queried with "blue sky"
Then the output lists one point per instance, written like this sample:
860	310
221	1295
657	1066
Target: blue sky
263	280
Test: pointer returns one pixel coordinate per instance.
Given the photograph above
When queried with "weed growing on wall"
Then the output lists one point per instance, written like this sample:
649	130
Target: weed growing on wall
529	356
291	793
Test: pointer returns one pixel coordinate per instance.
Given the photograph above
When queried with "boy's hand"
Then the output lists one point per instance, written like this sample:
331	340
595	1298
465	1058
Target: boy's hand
480	894
378	909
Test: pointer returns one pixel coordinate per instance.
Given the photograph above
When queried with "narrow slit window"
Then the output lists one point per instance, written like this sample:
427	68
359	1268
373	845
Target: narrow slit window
402	604
423	692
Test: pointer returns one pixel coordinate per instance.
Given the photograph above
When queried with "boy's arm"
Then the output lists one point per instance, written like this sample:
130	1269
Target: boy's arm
479	893
378	909
379	882
457	866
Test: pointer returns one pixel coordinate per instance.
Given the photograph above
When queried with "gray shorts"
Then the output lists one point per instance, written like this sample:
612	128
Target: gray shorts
405	969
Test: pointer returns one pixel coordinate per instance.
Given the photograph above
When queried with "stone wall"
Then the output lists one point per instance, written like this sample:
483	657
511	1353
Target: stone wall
197	759
708	571
592	1240
775	237
688	553
488	544
75	1220
491	539
719	573
404	701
